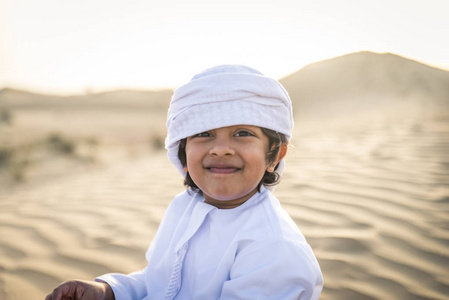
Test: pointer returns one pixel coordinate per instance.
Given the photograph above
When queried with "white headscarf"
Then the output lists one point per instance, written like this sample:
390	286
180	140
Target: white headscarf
223	96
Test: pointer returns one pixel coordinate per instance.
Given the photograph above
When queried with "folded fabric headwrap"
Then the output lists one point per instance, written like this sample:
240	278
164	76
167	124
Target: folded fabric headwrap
225	96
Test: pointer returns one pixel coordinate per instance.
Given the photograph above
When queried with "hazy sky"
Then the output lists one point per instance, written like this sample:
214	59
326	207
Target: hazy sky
67	46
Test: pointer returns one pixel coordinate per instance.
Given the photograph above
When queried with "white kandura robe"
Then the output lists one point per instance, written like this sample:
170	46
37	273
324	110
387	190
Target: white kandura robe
254	251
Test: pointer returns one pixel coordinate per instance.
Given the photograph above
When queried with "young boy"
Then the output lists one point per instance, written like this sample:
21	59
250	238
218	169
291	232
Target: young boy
227	236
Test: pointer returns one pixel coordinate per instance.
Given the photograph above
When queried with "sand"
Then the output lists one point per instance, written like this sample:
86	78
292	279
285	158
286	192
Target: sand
371	198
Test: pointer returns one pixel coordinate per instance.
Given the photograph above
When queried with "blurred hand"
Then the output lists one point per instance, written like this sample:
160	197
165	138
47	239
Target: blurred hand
82	290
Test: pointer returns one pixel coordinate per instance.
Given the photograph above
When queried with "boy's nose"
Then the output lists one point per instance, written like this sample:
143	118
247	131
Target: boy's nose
222	148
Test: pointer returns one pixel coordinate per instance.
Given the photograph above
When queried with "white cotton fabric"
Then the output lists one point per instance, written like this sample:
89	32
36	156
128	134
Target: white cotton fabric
254	251
225	96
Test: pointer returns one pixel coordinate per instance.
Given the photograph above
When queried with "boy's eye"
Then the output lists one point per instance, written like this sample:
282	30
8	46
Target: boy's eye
244	133
203	134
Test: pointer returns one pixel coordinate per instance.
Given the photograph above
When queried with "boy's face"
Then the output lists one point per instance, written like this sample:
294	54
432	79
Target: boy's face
228	163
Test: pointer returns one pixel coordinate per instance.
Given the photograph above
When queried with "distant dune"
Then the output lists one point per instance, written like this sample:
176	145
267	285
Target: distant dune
361	83
12	98
367	83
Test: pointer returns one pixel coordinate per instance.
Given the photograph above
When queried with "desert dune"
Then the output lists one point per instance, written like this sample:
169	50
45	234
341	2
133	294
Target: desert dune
84	184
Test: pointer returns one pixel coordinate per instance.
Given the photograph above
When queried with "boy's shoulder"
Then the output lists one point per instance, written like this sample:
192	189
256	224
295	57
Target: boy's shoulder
276	233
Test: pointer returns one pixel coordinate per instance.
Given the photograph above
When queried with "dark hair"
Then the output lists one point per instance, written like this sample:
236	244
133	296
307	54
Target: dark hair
275	140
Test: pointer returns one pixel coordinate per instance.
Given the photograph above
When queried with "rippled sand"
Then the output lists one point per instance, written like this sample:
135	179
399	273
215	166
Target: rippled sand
372	200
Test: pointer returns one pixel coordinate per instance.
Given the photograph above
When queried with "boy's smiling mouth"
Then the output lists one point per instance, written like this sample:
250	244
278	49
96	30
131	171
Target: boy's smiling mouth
222	169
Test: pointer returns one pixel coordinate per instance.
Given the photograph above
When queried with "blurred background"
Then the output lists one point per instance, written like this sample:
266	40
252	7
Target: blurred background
84	92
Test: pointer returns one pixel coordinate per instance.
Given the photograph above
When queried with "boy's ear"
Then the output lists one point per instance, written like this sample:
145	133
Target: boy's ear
281	154
184	169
